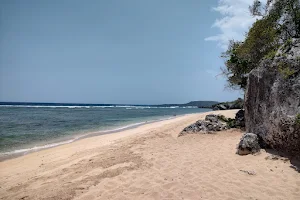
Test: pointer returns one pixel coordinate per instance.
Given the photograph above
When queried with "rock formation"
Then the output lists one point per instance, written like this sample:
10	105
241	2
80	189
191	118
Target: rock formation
248	145
209	125
272	100
240	119
237	104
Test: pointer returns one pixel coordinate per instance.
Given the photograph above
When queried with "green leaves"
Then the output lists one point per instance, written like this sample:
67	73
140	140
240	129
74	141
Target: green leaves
255	9
278	24
285	70
297	121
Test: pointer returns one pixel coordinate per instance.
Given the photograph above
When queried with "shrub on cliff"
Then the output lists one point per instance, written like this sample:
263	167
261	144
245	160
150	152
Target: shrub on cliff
280	21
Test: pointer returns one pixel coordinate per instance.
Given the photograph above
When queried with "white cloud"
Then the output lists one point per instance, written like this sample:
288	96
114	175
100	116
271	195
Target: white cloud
234	23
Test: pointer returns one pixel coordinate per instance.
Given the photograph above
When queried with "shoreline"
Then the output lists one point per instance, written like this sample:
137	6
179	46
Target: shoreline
22	152
150	162
7	156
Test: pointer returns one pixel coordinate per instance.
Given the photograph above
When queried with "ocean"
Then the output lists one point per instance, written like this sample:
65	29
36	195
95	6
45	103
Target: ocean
28	127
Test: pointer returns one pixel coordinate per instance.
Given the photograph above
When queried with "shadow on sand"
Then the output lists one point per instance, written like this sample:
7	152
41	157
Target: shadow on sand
277	155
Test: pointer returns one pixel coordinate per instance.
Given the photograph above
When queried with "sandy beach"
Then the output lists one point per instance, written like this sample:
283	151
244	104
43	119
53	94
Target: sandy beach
150	162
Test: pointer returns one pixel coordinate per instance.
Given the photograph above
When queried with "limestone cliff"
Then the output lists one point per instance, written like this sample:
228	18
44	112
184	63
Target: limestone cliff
272	99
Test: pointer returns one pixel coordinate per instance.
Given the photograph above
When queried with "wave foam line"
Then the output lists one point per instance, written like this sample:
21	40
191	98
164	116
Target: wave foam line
47	146
127	107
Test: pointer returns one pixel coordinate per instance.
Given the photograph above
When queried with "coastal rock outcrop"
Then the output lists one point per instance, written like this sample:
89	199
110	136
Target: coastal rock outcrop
209	125
272	100
240	119
221	106
249	144
237	104
212	118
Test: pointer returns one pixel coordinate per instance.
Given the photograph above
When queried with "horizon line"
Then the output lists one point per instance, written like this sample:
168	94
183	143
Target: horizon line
21	102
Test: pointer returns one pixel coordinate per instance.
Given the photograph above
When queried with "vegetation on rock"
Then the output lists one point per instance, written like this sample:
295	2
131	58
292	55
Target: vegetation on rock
297	119
237	104
280	21
286	71
199	104
238	122
231	123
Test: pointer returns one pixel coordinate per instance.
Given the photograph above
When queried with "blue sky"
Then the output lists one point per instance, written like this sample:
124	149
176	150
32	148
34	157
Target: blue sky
116	51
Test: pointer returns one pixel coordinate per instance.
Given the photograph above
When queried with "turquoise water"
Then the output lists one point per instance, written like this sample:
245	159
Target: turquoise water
33	127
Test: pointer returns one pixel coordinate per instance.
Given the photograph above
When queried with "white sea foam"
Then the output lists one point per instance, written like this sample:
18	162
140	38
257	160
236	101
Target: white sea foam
113	106
35	106
37	148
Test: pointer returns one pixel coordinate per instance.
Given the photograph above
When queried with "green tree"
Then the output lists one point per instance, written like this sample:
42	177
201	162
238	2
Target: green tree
280	21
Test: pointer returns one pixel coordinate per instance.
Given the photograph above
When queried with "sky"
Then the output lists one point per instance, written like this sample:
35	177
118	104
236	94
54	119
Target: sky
117	51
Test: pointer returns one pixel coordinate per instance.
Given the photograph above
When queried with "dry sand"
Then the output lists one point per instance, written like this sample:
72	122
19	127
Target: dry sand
149	162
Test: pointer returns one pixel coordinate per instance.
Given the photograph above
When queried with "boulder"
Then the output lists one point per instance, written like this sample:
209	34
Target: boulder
211	118
196	127
220	107
248	145
272	100
240	119
237	104
211	124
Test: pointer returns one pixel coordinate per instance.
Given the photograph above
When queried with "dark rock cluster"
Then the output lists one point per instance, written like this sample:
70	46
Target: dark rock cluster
209	125
237	104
